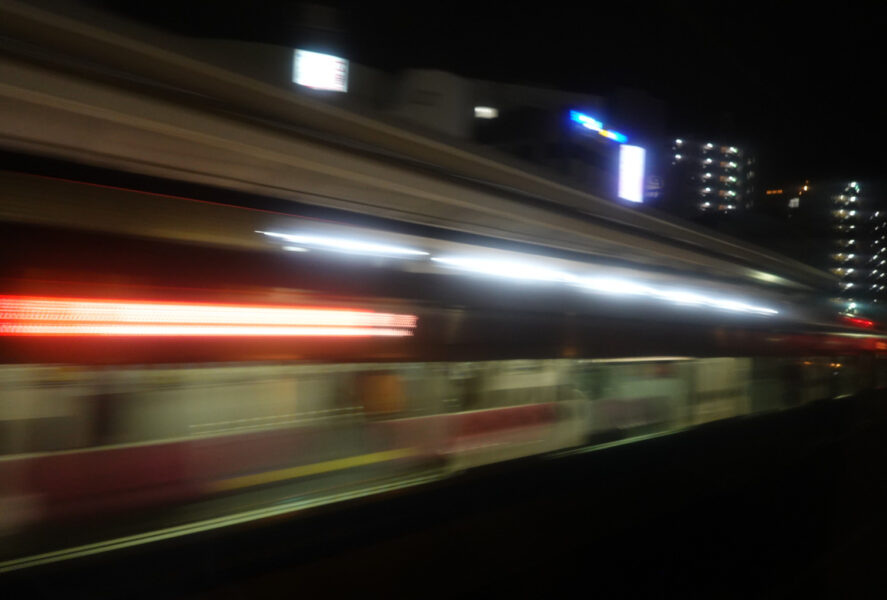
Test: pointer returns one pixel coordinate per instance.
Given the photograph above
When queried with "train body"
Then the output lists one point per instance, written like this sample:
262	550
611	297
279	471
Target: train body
144	372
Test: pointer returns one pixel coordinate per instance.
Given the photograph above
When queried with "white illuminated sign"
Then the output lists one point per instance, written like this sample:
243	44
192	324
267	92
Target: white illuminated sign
631	173
485	112
320	71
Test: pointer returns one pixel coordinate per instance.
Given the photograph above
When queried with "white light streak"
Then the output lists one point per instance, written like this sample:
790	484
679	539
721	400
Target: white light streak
505	268
345	245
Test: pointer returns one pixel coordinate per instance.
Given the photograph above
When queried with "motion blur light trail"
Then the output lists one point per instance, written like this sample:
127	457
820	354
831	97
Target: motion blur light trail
27	315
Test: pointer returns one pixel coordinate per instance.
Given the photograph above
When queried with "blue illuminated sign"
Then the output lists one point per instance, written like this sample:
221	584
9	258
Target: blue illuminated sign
593	124
586	121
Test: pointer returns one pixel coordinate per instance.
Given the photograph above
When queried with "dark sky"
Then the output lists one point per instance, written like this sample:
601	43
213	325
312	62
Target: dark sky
805	87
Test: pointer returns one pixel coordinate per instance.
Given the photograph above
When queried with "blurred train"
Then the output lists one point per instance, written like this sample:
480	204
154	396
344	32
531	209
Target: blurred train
154	369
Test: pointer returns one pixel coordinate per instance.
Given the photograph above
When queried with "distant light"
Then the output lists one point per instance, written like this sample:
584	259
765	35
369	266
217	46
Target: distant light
706	204
707	189
678	156
853	184
707	161
733	149
320	71
709	146
486	112
679	141
794	202
805	188
345	244
631	173
295	249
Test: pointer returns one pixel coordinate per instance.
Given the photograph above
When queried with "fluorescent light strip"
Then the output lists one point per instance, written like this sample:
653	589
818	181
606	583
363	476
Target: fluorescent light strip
345	244
616	286
504	268
29	315
677	296
605	285
518	270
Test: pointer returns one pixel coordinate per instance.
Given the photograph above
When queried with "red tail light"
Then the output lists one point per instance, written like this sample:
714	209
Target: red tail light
859	322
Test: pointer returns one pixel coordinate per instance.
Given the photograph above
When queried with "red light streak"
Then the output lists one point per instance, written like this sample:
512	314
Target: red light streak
31	315
860	322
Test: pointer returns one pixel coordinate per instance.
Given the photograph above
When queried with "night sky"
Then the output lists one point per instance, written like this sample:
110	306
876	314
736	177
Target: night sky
805	88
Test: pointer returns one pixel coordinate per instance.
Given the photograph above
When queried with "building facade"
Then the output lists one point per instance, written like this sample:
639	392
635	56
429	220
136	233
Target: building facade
858	243
708	177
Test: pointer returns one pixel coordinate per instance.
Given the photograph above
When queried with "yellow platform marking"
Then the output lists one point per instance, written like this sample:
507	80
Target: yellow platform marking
312	469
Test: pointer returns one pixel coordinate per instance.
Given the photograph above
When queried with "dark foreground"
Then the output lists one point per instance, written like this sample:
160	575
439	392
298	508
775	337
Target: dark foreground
786	505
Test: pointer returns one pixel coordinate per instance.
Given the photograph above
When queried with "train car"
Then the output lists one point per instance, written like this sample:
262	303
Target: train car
175	355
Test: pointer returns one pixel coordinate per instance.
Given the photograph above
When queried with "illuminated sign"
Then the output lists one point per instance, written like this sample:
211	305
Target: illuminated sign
486	112
631	173
593	124
773	192
320	71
